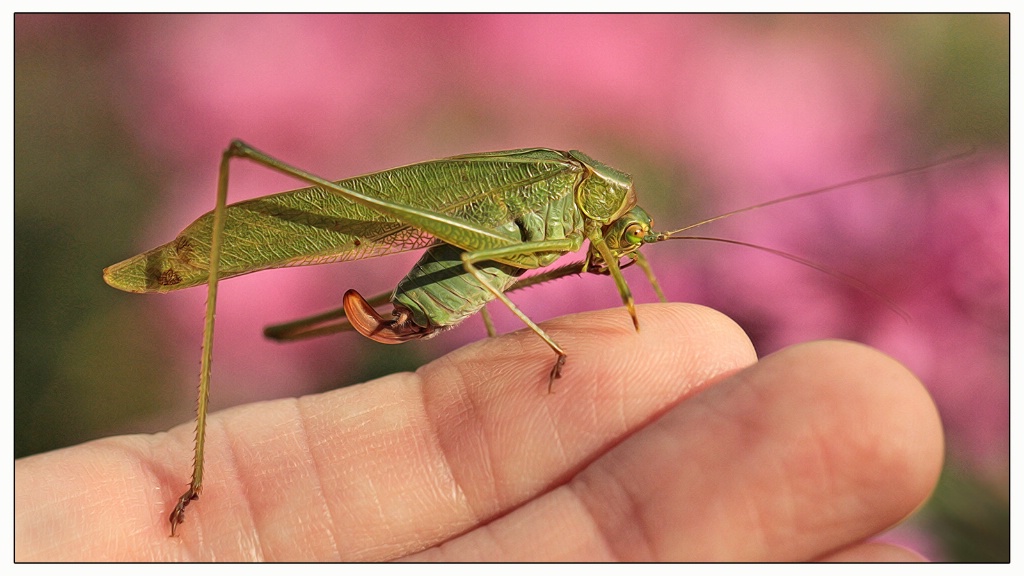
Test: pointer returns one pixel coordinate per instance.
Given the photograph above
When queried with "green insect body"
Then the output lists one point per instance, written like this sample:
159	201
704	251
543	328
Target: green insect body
523	196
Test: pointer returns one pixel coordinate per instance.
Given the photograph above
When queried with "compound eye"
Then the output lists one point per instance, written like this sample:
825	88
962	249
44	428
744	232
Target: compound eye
635	233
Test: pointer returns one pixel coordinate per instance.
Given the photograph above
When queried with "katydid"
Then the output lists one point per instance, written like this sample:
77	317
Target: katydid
484	219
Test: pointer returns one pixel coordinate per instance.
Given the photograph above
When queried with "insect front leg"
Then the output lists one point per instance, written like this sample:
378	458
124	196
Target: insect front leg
612	262
646	267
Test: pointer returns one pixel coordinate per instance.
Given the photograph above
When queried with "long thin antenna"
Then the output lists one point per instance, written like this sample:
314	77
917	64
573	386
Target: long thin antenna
866	288
862	180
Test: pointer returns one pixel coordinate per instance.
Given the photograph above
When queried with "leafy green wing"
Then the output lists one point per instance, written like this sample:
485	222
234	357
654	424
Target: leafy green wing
315	226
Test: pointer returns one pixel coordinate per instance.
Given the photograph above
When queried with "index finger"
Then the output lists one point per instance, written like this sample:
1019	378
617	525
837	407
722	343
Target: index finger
408	461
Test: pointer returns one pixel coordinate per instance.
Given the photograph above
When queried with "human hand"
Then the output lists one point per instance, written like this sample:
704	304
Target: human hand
670	444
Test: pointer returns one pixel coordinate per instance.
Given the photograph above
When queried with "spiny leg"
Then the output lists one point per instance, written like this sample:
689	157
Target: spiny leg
195	488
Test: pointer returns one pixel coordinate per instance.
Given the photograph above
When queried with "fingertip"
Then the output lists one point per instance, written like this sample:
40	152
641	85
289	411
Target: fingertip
675	340
881	426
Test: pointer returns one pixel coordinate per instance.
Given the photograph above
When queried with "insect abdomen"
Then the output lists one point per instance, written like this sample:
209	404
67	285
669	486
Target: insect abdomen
439	292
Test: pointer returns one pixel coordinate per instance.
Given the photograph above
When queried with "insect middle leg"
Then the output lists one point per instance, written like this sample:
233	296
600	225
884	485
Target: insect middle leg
560	246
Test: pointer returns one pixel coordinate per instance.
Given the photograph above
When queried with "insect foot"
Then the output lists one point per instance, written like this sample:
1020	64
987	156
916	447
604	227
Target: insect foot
556	372
178	514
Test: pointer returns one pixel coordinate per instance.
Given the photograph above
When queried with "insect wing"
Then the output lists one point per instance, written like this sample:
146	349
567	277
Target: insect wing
315	226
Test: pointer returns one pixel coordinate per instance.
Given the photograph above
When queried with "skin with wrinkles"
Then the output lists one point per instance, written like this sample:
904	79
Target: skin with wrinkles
671	444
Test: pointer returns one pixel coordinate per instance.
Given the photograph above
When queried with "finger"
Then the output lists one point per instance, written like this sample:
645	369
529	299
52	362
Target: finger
380	470
98	501
808	451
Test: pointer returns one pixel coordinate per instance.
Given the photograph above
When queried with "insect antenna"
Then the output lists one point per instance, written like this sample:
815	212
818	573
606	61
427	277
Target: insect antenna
854	182
846	278
850	280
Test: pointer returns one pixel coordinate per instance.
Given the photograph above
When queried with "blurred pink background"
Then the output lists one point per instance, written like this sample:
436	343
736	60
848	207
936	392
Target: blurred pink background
120	121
